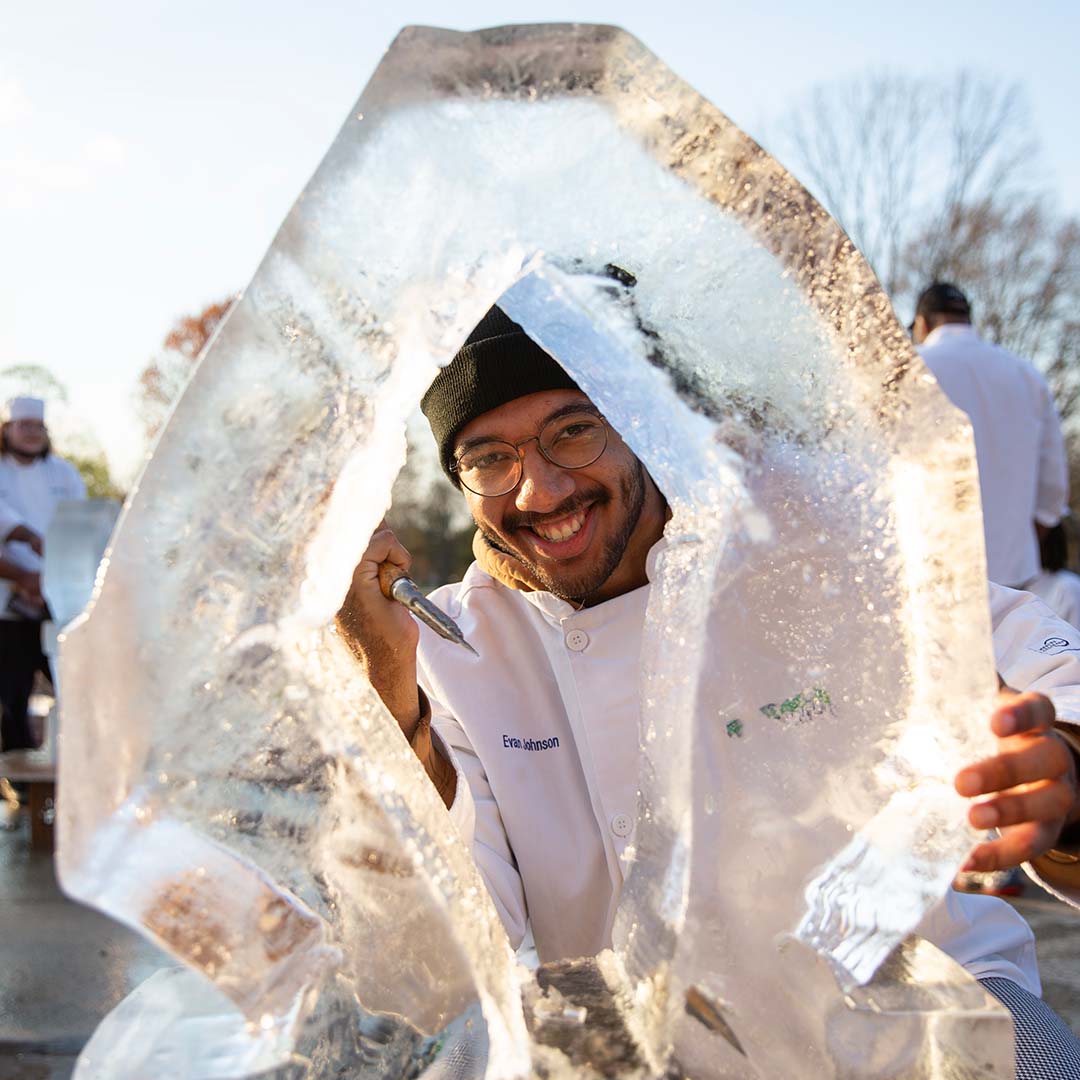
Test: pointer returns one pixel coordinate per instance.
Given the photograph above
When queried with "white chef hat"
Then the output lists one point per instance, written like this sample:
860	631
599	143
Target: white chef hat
26	408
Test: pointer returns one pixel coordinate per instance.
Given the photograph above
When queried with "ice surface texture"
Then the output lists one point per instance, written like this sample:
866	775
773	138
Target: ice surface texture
78	535
817	660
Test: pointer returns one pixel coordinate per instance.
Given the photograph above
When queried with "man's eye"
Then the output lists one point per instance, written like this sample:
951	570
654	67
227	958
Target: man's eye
491	460
576	430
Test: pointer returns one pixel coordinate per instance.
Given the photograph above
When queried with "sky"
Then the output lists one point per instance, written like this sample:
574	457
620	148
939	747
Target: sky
149	149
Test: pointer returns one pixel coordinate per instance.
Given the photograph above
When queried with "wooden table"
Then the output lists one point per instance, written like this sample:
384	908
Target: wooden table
35	769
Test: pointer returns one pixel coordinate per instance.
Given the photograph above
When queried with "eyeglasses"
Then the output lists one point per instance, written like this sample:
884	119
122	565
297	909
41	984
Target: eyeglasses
571	441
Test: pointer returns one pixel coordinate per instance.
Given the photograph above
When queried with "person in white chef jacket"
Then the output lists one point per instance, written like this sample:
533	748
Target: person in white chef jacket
1023	471
535	746
33	480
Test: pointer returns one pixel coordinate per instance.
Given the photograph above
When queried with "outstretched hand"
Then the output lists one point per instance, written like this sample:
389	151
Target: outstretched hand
1028	789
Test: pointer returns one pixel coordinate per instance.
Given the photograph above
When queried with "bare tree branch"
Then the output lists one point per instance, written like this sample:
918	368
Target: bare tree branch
937	180
895	155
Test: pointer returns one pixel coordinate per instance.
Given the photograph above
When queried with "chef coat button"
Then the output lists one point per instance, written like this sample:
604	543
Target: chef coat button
622	825
577	640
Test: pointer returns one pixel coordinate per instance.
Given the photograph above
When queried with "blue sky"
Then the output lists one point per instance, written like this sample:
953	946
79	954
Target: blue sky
149	150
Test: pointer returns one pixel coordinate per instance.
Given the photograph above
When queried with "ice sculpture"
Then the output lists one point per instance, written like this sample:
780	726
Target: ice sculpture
234	788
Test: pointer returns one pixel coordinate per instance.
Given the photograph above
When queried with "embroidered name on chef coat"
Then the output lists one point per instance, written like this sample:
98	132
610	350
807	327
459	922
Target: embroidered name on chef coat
511	743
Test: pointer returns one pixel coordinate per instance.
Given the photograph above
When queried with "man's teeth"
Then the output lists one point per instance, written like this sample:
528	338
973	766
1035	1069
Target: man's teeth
562	531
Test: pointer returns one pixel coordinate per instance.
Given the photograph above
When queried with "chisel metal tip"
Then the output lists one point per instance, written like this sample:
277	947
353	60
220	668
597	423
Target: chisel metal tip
397	585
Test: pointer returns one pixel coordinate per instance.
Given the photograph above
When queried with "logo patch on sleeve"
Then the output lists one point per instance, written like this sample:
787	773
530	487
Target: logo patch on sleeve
1051	646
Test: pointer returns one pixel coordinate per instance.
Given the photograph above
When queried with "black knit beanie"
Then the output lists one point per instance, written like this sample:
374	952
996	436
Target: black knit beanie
498	363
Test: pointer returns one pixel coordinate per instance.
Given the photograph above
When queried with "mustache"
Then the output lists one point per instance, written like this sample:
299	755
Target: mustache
578	501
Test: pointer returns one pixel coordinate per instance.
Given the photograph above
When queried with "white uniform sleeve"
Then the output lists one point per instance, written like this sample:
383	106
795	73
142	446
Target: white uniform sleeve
476	816
1035	650
986	935
1052	495
75	486
9	519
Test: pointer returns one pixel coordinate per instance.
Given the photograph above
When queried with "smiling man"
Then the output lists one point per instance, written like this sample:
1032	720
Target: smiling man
536	754
583	519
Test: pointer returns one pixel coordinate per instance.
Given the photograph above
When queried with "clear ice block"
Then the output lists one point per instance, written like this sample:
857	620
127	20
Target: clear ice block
817	656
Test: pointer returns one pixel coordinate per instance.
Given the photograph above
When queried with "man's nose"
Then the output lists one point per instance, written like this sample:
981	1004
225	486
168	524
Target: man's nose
543	485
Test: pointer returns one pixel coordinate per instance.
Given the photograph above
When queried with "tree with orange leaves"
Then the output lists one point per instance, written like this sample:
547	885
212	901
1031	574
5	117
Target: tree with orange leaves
167	374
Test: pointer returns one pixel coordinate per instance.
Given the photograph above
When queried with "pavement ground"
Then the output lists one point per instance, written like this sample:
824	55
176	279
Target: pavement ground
63	966
1057	943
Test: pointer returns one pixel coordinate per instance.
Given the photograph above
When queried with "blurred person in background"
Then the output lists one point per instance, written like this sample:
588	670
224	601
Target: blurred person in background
33	480
1023	473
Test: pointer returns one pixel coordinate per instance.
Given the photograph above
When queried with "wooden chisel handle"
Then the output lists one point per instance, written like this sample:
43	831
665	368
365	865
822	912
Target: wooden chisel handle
389	573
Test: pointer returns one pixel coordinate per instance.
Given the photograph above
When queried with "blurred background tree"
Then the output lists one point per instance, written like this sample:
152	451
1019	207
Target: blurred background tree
33	381
167	374
896	158
94	469
940	179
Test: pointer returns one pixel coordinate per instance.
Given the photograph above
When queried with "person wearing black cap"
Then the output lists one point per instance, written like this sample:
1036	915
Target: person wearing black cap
500	365
1023	472
533	744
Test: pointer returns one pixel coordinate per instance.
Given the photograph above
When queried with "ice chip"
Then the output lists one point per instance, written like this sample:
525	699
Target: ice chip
176	1024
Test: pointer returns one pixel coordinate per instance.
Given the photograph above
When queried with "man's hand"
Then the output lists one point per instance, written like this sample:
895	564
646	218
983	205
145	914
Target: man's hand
1031	783
26	535
383	636
28	587
381	632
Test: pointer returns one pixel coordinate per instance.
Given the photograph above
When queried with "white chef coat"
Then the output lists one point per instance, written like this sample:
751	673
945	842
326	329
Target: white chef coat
1060	592
1023	474
28	496
543	733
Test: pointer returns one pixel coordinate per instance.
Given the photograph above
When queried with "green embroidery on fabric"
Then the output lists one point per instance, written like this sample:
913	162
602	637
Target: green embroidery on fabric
800	707
734	728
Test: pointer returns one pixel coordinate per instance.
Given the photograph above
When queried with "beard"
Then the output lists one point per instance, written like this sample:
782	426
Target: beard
576	586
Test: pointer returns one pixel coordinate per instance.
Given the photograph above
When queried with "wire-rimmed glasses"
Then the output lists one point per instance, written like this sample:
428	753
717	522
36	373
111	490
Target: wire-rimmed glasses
571	440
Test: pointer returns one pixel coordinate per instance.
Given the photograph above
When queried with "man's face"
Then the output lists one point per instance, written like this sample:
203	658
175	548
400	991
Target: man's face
573	529
27	437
